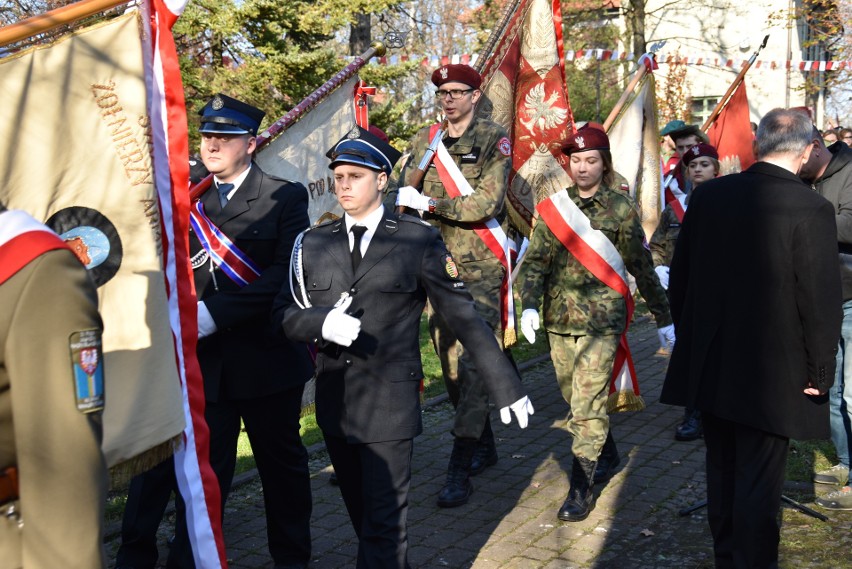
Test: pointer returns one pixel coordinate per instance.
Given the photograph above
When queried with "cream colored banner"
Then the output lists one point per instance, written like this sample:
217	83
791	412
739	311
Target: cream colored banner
74	153
298	154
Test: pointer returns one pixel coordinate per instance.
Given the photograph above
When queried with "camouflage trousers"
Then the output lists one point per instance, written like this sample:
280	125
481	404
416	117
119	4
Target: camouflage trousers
583	367
465	387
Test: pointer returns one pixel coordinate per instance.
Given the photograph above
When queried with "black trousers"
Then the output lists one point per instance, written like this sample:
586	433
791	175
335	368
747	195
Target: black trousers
745	476
374	480
272	425
147	499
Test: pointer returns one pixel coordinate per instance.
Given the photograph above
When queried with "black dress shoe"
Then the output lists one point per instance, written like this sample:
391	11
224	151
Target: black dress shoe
689	430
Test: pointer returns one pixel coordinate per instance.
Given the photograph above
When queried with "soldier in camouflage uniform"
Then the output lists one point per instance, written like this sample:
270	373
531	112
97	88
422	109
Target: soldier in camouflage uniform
482	152
701	163
585	318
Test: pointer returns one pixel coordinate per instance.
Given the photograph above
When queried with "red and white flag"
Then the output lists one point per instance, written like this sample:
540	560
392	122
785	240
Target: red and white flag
524	82
731	134
167	110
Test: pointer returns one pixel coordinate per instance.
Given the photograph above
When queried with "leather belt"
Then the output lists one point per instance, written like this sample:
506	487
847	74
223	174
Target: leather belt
8	485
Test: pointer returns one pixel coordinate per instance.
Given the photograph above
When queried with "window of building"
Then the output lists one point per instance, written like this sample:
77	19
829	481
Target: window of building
702	107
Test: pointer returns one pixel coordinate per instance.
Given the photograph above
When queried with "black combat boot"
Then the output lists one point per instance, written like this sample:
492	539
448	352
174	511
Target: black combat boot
581	496
486	450
608	461
457	489
690	429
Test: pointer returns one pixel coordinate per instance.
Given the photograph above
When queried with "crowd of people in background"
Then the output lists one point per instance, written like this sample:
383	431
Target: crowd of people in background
356	286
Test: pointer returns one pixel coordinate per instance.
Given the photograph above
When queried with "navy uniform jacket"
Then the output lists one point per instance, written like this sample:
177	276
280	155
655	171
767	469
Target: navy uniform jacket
755	297
247	357
369	391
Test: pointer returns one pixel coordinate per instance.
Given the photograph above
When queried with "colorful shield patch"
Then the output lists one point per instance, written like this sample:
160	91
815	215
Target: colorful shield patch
450	267
505	146
87	367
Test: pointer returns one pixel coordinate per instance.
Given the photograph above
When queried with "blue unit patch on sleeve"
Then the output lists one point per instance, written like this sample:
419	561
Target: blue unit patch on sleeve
87	367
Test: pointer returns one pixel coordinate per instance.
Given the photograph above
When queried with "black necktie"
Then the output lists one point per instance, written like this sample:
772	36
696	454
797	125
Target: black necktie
224	190
358	232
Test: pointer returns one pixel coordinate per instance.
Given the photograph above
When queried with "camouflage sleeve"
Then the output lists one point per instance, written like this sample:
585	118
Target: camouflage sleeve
658	239
489	190
636	253
535	266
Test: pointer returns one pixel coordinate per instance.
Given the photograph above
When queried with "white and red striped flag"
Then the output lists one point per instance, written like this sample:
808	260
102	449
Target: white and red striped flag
167	108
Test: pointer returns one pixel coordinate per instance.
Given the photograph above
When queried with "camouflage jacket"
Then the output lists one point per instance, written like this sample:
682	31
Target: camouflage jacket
573	300
664	237
485	162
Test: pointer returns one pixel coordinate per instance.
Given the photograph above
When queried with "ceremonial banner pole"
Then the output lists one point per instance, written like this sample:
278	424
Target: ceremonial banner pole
646	63
376	49
739	79
59	17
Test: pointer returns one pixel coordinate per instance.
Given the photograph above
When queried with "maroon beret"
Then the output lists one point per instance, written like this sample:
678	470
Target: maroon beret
698	151
586	138
457	72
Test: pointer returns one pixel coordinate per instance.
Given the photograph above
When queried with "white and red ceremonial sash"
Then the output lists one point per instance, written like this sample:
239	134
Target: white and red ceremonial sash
490	232
674	196
22	239
597	254
167	110
233	262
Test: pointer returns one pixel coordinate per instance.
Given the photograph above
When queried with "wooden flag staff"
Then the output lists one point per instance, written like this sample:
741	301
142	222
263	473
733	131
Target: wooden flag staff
63	16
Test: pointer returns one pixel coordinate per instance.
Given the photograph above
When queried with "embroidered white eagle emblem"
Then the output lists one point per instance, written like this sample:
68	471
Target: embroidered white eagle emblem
542	112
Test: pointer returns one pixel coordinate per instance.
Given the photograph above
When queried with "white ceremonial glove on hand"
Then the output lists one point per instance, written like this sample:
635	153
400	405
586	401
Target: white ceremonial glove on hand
523	409
339	327
206	325
529	324
663	273
667	337
410	197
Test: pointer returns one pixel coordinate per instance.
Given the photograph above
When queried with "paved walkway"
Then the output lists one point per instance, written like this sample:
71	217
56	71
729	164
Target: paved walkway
511	521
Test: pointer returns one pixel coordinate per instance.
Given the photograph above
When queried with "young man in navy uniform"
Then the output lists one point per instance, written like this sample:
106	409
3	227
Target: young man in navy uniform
362	283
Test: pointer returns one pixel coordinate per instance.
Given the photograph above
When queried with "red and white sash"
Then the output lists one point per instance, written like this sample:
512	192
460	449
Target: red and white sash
490	232
22	239
233	262
597	254
675	197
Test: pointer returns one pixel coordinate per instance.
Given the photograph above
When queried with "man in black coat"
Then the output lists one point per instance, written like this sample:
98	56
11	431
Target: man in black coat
251	372
361	285
755	297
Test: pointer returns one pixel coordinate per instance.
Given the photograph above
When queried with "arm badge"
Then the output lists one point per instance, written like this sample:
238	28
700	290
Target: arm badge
87	368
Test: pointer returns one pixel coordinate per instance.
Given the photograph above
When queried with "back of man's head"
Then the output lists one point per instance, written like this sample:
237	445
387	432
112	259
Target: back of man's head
783	132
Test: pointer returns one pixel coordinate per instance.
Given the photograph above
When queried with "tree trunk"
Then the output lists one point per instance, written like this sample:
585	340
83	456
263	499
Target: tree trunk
360	35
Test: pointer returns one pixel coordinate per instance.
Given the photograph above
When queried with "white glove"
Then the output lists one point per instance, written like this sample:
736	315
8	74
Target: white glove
666	334
663	273
529	324
206	324
523	409
339	327
410	197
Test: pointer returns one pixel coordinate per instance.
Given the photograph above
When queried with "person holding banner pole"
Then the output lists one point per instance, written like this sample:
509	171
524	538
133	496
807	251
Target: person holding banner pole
463	194
576	266
243	230
53	474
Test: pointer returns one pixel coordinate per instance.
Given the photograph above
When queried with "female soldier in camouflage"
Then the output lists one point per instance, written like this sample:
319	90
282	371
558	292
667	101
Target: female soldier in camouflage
583	229
700	163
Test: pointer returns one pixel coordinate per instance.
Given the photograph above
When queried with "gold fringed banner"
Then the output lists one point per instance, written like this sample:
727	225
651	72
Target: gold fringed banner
75	153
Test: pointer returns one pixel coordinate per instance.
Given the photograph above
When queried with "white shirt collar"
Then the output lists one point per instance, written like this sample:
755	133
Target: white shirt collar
238	181
371	222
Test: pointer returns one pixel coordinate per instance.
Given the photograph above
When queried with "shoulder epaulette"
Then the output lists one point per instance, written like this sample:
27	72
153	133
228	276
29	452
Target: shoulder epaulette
413	219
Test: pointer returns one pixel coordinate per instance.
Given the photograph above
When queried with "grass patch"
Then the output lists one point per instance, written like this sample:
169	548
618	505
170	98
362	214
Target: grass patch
807	457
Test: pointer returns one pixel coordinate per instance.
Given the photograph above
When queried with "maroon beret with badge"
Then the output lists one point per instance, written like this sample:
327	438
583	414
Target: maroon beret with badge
457	72
698	151
586	138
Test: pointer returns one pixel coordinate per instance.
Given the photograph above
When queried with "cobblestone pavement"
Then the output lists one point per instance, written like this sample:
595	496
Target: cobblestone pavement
510	521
